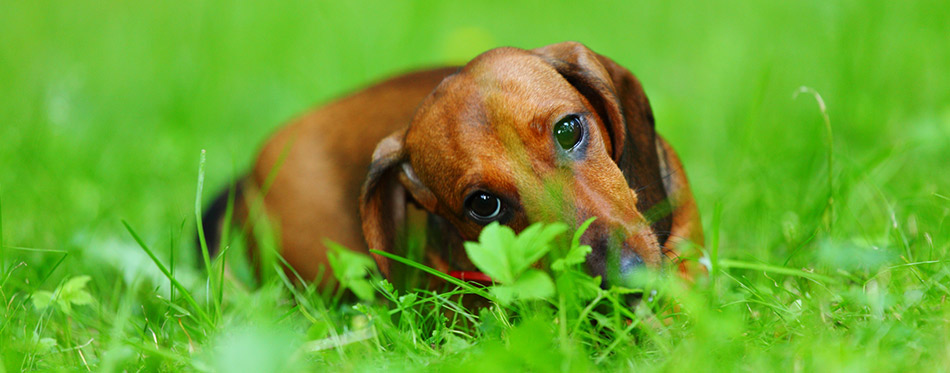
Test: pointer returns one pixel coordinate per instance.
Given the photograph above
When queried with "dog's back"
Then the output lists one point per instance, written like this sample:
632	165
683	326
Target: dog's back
311	170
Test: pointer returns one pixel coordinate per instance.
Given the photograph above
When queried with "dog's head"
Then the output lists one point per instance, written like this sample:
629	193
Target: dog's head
516	136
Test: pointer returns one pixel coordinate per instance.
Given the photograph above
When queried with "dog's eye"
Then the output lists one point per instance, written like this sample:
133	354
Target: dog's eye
483	207
567	131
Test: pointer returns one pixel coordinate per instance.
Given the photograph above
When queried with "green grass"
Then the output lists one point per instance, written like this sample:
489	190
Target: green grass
830	246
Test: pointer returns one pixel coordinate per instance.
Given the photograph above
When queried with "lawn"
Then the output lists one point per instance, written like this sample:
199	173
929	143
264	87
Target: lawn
816	135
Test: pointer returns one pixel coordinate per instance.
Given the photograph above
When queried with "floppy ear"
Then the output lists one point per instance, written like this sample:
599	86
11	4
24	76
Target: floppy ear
621	103
391	183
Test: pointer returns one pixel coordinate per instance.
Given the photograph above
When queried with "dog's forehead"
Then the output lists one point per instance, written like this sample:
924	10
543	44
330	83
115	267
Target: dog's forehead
504	87
496	110
513	74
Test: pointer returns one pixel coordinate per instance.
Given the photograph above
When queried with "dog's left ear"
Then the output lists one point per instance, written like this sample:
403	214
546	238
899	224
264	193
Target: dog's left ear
390	184
621	103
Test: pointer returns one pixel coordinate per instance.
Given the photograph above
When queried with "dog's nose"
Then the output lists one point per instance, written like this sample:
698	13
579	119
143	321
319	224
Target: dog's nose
620	267
629	261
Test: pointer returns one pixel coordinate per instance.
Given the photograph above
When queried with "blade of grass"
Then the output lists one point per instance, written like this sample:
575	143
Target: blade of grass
308	306
296	274
205	255
224	241
198	221
443	276
714	243
263	229
43	280
228	216
304	305
633	324
171	258
582	317
219	297
50	272
35	250
728	263
830	207
256	204
914	264
455	307
3	252
661	340
167	355
181	288
760	299
422	300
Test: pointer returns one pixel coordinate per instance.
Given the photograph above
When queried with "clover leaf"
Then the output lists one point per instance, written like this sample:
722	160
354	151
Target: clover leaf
72	292
507	258
351	269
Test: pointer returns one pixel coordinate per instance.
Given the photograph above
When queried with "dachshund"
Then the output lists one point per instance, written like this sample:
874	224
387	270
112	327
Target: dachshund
516	136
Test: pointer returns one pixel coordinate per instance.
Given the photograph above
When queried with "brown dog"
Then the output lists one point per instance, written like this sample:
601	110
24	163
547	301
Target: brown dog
517	136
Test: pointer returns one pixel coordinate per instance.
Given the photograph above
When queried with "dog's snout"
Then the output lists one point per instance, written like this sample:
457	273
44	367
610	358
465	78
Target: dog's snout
623	271
616	264
629	261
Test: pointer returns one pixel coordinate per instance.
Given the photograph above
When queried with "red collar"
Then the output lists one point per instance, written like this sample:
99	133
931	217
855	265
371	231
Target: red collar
471	276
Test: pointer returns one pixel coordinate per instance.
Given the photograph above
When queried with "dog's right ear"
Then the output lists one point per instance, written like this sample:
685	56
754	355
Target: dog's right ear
391	183
621	102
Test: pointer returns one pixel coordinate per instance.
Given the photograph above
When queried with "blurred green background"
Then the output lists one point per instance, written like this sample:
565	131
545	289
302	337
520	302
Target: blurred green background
106	105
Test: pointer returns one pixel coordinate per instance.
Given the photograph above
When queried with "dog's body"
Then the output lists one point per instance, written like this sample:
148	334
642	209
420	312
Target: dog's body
446	137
